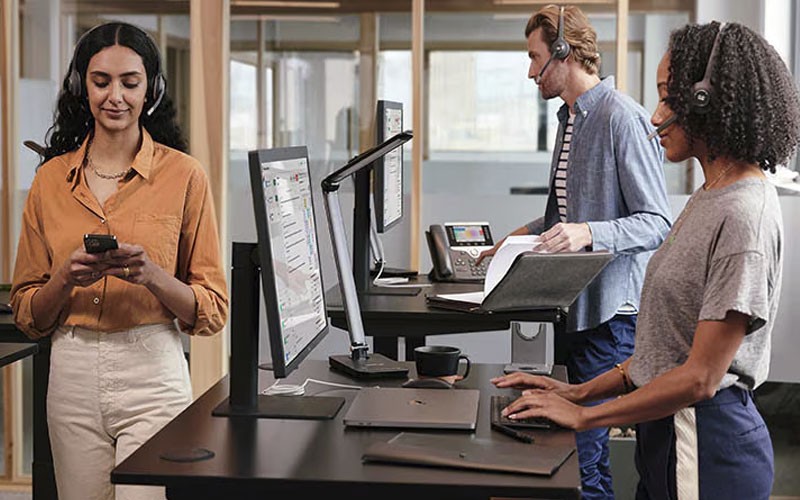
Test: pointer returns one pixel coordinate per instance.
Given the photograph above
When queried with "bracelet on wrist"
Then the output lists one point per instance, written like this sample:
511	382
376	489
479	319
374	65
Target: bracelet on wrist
625	382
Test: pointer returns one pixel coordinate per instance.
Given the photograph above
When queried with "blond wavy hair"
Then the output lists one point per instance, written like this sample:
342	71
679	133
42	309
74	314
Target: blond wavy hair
579	34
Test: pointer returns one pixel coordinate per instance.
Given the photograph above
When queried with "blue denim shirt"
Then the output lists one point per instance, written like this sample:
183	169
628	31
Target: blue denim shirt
615	183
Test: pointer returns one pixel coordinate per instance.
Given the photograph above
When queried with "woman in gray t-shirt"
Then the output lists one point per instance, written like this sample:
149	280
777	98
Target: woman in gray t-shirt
711	291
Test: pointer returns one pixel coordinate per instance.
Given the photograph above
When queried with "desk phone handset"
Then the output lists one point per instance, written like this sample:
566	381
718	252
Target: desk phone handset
454	248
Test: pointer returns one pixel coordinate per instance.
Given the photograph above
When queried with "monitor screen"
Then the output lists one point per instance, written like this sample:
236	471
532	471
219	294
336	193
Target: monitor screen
289	254
388	176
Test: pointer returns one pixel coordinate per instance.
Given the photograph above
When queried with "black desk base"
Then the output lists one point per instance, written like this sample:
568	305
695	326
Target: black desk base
44	481
386	318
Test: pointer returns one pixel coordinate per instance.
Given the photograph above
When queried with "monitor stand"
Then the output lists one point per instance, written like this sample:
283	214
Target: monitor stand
375	366
289	407
391	290
244	399
394	272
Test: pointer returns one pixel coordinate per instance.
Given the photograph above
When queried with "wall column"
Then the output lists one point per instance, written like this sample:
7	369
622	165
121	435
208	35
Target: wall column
368	79
417	104
9	143
622	45
210	42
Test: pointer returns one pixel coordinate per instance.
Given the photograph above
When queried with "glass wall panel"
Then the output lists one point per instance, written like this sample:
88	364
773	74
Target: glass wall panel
308	98
244	107
481	100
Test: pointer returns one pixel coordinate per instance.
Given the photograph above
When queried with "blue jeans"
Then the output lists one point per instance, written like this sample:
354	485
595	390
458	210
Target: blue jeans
592	353
733	457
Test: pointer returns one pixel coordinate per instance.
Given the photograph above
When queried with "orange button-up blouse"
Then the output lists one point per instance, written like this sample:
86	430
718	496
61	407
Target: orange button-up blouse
164	204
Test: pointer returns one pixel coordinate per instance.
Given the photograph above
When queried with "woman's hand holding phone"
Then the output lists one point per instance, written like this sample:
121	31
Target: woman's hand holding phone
132	264
83	268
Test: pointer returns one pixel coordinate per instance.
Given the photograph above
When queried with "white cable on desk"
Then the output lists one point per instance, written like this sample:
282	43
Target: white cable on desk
299	390
284	390
380	272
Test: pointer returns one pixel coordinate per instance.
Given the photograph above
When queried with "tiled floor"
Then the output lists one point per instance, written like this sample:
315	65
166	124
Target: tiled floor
10	495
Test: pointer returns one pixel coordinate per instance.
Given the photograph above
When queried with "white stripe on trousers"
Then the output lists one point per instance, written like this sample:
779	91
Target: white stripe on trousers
108	394
687	468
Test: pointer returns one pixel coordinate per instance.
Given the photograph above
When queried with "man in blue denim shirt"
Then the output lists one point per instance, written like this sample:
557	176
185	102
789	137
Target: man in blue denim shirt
607	192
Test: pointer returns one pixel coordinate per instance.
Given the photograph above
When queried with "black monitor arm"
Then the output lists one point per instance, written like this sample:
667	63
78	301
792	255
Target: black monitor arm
330	188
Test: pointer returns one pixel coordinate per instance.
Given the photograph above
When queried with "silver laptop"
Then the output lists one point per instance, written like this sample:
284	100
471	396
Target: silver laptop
414	408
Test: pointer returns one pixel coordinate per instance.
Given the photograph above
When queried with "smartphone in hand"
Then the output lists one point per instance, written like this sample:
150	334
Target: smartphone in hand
99	243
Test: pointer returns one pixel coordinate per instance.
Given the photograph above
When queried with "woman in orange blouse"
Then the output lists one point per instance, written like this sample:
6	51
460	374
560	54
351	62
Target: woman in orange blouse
114	164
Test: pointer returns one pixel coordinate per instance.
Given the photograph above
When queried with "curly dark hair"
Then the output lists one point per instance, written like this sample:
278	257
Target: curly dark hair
72	118
754	112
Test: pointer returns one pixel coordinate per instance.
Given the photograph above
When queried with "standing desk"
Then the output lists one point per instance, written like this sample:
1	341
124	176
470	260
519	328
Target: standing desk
274	458
13	351
387	317
44	482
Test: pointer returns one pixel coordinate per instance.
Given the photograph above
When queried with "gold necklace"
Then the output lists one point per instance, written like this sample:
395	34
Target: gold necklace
103	175
98	173
685	213
722	174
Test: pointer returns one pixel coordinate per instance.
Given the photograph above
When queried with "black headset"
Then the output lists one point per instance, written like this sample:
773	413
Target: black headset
703	91
158	88
559	49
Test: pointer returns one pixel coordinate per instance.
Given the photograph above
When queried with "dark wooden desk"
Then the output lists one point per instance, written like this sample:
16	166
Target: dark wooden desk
44	482
322	459
387	317
11	352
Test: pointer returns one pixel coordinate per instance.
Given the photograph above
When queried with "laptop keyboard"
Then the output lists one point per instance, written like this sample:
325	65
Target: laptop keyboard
500	402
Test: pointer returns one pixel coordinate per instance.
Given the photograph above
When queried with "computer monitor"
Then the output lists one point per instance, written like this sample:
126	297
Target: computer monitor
388	170
380	185
291	275
387	192
291	279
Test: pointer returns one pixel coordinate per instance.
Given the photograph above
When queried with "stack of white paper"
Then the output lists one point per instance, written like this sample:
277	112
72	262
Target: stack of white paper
498	267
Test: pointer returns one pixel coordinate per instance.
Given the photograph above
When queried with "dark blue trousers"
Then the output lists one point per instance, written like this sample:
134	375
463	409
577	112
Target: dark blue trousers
592	353
719	448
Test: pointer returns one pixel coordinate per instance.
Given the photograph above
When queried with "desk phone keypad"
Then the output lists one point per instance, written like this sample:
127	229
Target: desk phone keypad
465	265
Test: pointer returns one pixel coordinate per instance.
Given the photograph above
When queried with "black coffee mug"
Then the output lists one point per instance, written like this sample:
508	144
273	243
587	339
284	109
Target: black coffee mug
439	361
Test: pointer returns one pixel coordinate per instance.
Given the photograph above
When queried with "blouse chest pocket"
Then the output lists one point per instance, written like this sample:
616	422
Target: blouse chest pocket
158	235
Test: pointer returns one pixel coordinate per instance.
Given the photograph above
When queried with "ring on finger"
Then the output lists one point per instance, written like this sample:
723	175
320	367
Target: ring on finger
126	272
95	274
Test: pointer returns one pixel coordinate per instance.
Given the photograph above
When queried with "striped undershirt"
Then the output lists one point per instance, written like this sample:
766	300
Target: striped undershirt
561	190
561	170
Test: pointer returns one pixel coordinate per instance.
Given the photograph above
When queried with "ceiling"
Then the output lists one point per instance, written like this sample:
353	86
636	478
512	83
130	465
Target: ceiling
317	7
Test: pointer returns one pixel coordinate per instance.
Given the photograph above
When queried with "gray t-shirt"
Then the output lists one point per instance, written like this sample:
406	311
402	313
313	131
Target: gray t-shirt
724	253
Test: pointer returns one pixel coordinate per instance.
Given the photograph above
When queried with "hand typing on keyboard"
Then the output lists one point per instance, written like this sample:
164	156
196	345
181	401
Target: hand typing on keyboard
543	397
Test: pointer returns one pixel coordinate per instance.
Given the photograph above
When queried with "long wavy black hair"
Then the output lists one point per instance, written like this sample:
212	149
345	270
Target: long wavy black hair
754	112
73	120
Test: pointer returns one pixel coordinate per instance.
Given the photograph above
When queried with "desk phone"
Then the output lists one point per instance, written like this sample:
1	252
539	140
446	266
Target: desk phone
455	247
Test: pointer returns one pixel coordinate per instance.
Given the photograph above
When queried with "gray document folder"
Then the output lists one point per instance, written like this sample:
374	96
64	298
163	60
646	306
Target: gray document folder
414	408
466	452
536	281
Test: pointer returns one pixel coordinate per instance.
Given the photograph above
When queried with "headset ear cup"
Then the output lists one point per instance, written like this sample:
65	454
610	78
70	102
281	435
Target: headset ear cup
159	89
560	49
701	97
74	83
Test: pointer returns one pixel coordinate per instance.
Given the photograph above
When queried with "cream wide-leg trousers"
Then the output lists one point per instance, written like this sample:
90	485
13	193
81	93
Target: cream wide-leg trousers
108	393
